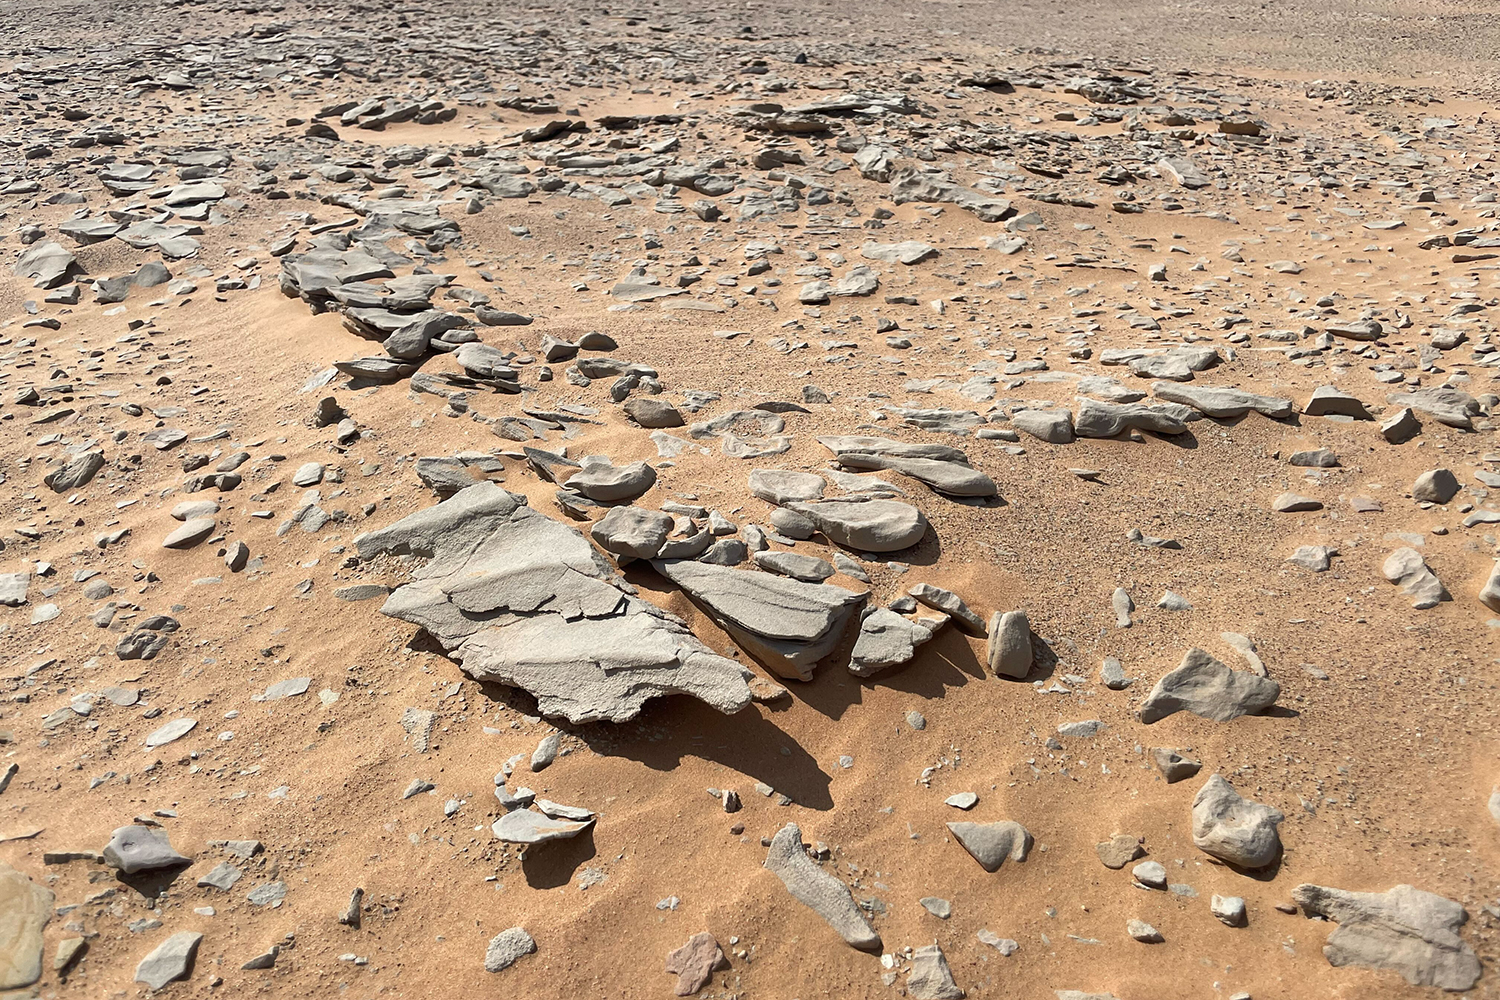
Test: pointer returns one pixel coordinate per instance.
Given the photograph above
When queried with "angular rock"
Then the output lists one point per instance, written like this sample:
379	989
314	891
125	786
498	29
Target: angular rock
1293	503
171	960
1235	829
1316	558
1403	929
1051	426
651	412
817	889
930	978
1222	402
992	843
781	486
1010	653
76	473
694	963
522	826
1443	403
1406	568
1206	687
1119	850
949	604
944	469
607	483
134	849
1096	419
1230	910
797	565
1329	401
632	531
866	525
1400	426
1435	486
886	640
192	532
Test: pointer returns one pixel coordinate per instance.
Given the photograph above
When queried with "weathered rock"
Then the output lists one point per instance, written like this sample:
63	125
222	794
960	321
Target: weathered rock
633	531
945	469
1435	486
1443	403
522	826
992	843
1400	426
1313	557
1204	686
949	604
694	963
930	978
786	624
1010	653
13	588
1051	426
1489	594
906	252
781	486
1230	910
1403	929
1406	568
1222	402
507	948
191	533
1234	829
599	480
866	525
1293	503
818	890
169	961
650	412
25	908
523	600
797	565
886	640
1096	419
1119	850
140	848
1329	401
75	473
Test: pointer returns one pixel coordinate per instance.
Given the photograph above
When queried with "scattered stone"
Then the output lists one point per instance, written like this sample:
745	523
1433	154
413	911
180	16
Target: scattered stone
930	978
134	849
1144	932
1173	766
1435	486
1406	568
1010	652
816	889
991	843
1234	829
169	961
507	948
1229	909
695	962
1119	850
25	909
1205	686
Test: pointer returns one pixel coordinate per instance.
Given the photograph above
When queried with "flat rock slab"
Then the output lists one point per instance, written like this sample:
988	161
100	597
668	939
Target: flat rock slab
1206	687
866	525
169	961
174	730
694	963
25	908
1404	929
992	843
192	531
522	826
523	600
780	486
817	889
1221	402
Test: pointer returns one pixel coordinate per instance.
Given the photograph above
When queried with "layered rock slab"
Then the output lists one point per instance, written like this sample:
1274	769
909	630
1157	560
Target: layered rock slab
1404	929
520	599
817	889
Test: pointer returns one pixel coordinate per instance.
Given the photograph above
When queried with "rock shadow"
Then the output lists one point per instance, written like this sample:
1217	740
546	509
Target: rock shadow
153	884
548	866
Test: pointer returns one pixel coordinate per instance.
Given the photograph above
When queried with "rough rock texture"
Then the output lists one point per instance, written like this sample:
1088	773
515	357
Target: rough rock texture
1204	686
816	889
1010	652
1234	829
1407	570
694	963
866	525
140	848
992	843
25	908
887	640
507	948
1403	929
930	978
170	960
523	600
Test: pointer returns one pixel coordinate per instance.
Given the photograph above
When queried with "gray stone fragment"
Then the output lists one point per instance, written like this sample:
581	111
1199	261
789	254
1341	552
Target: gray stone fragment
1143	932
1316	558
1223	402
866	525
1489	594
1400	426
1443	403
1150	874
886	640
174	730
1435	486
939	908
1010	653
1119	850
1230	910
1317	458
169	961
1406	568
1122	604
930	978
507	948
223	876
1173	766
1206	687
190	533
1005	946
545	752
796	565
992	843
522	826
1051	426
950	604
265	960
13	588
650	412
1329	401
817	889
25	909
1234	829
599	480
1096	419
632	531
1403	929
75	473
1112	675
781	486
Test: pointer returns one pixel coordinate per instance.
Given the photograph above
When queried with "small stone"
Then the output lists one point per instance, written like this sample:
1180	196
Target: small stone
170	960
1291	503
1435	486
1173	766
546	752
1229	909
962	800
1144	932
1119	850
939	908
694	963
1150	874
506	948
992	843
930	978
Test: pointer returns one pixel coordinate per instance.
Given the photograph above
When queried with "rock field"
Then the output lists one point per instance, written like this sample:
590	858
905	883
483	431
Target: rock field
926	500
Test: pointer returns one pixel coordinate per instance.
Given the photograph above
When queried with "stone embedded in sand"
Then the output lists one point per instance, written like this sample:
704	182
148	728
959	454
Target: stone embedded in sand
507	948
1097	419
1234	829
1173	766
1489	594
930	978
649	412
1313	557
47	264
949	604
1122	605
13	588
1230	910
1222	402
1293	503
75	473
520	599
600	480
191	532
781	486
1435	486
522	826
1406	569
786	624
905	252
1443	403
1010	652
174	730
25	908
1119	850
887	640
169	961
1329	401
1403	929
632	531
134	849
797	565
1204	686
866	525
1400	426
694	963
992	843
816	889
944	469
1143	932
1052	426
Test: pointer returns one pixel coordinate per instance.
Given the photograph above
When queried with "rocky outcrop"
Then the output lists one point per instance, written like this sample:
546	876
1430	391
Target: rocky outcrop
1404	929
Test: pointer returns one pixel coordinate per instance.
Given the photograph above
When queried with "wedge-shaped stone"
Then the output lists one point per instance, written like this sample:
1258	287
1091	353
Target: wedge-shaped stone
786	624
866	525
1404	929
943	468
1097	419
522	826
817	889
1204	686
992	843
887	640
520	599
169	961
140	848
1216	401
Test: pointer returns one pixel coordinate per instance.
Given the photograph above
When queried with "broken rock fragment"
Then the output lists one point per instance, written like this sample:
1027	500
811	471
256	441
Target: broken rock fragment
140	848
816	889
170	960
1403	929
1205	686
1235	829
1010	651
930	978
992	843
1406	568
695	962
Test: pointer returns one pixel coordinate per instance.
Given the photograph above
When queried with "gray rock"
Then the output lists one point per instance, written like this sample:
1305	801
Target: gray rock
650	412
786	624
599	480
174	730
632	531
223	877
1122	604
866	525
816	889
171	960
1317	458
886	640
308	474
522	826
1443	403
944	469
1489	594
1293	503
507	948
1403	929
191	533
1206	687
1096	419
1400	426
1329	401
134	849
1150	874
1010	652
75	473
1144	932
951	605
1005	946
25	909
1230	910
939	908
1173	766
992	843
1316	558
1173	602
796	565
1406	569
523	600
781	486
905	252
1112	675
1080	730
545	752
265	960
1119	850
13	588
792	524
1051	426
1435	486
930	978
962	800
1221	402
1234	829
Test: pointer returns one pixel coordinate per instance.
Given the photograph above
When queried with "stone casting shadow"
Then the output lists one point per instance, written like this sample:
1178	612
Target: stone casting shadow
154	883
548	866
